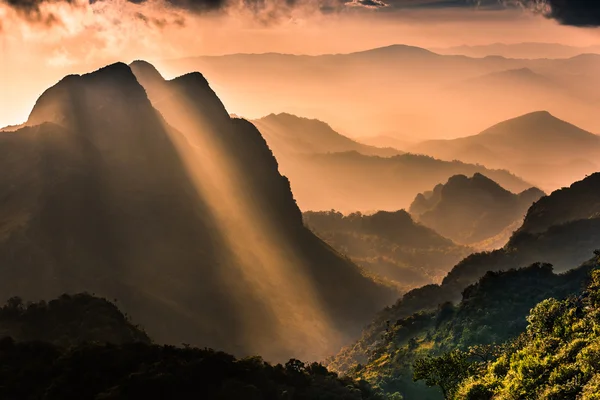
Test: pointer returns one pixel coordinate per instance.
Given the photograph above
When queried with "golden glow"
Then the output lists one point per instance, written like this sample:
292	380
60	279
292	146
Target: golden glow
270	267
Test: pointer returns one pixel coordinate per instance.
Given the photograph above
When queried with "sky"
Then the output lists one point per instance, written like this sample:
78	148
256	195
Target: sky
43	40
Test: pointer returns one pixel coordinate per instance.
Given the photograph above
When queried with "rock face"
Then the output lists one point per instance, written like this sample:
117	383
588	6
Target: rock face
471	210
152	195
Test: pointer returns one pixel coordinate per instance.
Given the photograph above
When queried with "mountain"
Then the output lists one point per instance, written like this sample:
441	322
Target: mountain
472	210
520	50
287	134
83	347
399	89
351	181
570	241
541	148
389	245
178	211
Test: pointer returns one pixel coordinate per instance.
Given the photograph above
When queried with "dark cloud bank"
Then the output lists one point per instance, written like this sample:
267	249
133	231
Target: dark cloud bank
582	13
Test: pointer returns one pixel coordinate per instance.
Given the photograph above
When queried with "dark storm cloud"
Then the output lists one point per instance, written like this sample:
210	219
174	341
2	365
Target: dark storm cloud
584	13
30	10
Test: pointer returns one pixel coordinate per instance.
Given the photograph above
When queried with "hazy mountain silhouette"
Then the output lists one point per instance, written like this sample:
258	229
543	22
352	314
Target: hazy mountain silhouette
351	181
389	245
520	50
400	89
101	194
539	147
472	210
287	134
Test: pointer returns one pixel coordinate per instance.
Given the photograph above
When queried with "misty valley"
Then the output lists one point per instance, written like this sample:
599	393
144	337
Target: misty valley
398	223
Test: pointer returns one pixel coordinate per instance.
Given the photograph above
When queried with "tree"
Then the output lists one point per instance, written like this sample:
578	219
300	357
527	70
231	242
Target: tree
446	371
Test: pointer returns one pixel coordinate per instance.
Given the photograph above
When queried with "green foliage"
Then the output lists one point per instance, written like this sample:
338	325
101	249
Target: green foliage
445	371
491	312
557	357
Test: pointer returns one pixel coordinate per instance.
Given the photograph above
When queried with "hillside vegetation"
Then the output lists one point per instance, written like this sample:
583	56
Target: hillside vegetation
389	244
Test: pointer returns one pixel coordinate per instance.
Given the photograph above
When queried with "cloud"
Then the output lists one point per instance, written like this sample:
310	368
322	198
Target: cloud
366	3
583	13
38	11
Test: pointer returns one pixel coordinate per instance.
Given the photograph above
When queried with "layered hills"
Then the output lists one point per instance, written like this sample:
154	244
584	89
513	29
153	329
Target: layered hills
330	171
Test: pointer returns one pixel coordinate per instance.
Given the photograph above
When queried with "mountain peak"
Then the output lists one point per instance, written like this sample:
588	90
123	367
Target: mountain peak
538	122
115	81
146	70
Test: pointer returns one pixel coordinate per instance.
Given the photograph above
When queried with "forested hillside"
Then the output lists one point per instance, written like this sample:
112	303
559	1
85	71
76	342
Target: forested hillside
389	245
82	347
492	311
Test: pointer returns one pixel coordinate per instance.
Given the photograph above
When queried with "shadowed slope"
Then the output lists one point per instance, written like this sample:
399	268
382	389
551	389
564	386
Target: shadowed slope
102	199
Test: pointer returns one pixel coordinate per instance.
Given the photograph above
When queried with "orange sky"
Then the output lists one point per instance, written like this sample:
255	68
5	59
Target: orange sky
34	56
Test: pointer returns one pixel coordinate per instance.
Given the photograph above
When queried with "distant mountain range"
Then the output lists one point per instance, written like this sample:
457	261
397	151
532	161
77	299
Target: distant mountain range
145	190
389	245
402	89
519	50
541	148
472	210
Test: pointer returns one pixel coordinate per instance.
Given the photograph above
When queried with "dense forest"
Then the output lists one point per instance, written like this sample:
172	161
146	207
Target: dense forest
557	356
82	347
492	312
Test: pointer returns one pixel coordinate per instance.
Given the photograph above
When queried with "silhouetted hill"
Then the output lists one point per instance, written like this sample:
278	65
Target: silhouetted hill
179	213
581	200
388	244
570	242
287	134
472	210
82	347
68	321
538	146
